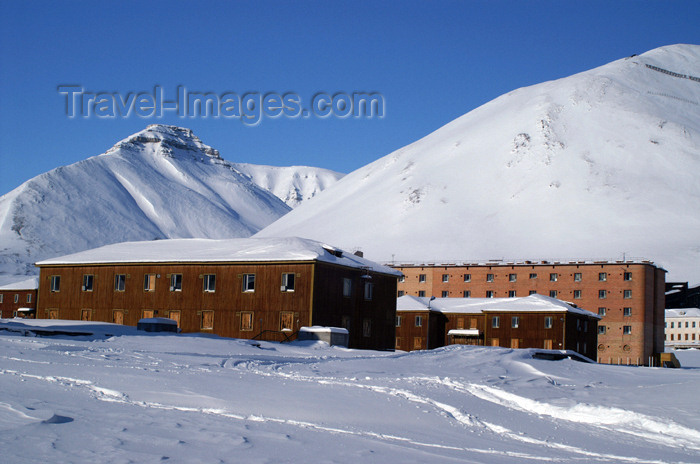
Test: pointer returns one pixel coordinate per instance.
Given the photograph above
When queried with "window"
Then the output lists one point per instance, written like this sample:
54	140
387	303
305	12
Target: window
397	344
626	329
402	279
515	343
369	290
421	293
149	283
445	277
55	283
628	276
29	300
466	294
553	277
367	327
287	282
495	322
511	293
88	280
627	294
628	312
577	277
693	324
548	344
514	322
553	293
460	322
345	322
210	282
532	292
286	321
419	321
175	282
85	315
548	322
207	320
398	321
601	311
489	293
417	343
246	321
119	282
248	283
533	275
601	330
671	324
602	276
686	324
401	293
602	294
445	294
577	294
347	287
495	342
2	297
16	297
421	278
489	277
467	277
512	277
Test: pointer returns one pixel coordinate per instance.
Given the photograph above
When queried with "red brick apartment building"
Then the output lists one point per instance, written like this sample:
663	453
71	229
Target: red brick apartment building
628	295
18	299
242	288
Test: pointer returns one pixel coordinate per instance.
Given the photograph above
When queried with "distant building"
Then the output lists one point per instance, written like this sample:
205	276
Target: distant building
242	288
534	321
18	299
680	295
683	328
628	295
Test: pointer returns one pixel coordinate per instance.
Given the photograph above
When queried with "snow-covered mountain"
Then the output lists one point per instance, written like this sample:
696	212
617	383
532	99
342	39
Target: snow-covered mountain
595	165
162	182
292	184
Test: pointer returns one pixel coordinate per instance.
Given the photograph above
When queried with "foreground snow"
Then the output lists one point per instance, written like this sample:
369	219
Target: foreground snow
124	396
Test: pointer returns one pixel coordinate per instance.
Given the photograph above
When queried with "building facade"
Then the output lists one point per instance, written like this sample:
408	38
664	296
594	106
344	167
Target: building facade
683	328
535	321
18	299
628	295
241	288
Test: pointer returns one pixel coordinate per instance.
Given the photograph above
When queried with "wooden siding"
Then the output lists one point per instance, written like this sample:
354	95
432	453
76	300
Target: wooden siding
8	307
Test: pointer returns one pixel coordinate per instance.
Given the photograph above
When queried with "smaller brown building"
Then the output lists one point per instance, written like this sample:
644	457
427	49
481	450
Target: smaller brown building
18	299
241	288
534	321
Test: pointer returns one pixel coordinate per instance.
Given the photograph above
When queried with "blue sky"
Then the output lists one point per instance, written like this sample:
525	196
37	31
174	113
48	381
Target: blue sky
432	61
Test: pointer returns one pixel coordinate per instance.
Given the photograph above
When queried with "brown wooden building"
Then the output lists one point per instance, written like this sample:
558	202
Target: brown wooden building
242	288
628	295
18	299
534	321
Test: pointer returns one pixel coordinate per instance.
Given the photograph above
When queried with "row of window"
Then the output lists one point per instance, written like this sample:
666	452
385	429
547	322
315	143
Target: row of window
29	297
602	294
149	282
626	329
680	337
553	277
515	322
679	324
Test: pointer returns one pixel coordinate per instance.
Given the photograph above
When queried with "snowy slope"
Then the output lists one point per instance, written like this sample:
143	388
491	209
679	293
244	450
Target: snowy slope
292	184
594	165
134	397
162	182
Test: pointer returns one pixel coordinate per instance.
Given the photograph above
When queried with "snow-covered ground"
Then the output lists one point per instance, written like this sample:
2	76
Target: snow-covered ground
133	397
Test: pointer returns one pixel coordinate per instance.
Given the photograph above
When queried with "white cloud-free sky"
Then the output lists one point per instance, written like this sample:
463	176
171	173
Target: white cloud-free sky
431	62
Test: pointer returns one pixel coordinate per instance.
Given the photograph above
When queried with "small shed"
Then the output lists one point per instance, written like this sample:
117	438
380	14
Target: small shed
331	335
157	324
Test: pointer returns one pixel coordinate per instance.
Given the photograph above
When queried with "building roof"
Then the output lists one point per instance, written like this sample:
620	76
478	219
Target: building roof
682	312
237	250
535	303
31	283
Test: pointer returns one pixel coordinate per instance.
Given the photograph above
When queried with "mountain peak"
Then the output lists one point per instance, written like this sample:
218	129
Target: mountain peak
166	138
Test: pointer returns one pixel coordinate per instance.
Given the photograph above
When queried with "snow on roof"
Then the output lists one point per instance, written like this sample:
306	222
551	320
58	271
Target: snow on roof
25	284
682	312
324	329
219	251
535	302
